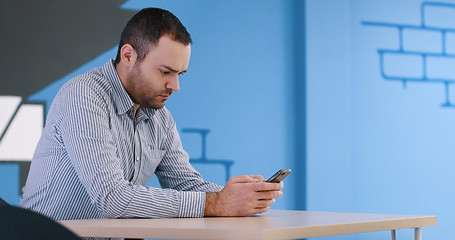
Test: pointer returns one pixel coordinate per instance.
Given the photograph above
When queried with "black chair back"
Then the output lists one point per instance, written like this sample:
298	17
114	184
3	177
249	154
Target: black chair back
3	203
18	223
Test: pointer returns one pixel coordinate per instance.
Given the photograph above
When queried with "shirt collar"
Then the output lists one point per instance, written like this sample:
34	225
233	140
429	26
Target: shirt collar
145	113
149	112
122	100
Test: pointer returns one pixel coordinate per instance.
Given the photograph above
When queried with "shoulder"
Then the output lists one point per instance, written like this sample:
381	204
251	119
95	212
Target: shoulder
90	89
90	85
92	80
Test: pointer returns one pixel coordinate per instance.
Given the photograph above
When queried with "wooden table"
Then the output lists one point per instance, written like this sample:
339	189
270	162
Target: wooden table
275	224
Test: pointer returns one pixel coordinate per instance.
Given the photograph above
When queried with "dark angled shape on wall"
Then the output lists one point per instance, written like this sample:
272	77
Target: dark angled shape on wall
45	40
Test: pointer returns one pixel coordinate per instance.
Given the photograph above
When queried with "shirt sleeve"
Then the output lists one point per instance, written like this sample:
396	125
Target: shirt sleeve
84	123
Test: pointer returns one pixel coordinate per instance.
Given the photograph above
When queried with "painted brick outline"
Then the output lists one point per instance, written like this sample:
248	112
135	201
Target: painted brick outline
435	59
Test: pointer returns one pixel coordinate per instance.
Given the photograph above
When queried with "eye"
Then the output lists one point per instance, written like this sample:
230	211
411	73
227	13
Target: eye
165	72
181	74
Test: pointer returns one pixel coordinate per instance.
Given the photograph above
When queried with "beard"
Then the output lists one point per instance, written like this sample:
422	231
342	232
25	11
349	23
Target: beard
142	93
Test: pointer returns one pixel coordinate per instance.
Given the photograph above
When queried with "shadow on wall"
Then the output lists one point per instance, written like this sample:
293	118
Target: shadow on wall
227	164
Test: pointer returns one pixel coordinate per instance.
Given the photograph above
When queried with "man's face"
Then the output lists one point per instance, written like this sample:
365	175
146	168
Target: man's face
152	80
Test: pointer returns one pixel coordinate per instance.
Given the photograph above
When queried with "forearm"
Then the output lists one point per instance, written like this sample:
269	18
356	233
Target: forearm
159	203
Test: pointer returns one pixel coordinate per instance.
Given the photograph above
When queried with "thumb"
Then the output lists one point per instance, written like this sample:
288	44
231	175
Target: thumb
245	179
258	178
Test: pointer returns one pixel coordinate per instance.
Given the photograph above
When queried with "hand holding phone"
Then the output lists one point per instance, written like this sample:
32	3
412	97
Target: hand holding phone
279	176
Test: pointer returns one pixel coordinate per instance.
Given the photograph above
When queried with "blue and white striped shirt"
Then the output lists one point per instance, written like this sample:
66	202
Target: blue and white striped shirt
96	154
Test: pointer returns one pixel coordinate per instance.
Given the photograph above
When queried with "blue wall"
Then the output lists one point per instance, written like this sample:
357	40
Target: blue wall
380	136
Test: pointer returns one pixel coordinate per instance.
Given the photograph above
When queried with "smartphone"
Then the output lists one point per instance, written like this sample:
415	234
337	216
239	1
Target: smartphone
279	176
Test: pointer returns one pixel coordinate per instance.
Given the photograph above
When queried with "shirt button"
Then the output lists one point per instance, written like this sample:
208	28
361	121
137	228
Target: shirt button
137	159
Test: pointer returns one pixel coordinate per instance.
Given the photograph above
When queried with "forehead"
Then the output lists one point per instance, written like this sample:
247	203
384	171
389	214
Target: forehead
168	52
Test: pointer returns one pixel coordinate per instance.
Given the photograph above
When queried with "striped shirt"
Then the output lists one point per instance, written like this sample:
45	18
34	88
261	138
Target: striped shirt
97	153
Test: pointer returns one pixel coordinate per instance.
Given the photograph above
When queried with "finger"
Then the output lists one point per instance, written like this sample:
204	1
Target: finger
281	185
258	177
268	195
265	203
265	186
260	210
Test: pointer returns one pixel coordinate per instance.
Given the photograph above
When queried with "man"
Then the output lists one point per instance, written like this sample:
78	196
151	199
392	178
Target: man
107	132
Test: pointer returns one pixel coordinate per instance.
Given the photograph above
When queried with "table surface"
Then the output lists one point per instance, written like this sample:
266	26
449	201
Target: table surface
275	224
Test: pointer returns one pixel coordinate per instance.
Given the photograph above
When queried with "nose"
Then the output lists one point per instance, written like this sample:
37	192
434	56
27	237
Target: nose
173	84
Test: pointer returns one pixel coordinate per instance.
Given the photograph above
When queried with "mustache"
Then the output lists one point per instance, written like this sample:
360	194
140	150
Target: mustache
167	92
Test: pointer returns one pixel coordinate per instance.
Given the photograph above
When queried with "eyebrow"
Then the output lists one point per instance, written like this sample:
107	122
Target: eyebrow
173	70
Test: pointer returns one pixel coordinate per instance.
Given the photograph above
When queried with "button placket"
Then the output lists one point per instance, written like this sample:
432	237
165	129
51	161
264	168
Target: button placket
137	145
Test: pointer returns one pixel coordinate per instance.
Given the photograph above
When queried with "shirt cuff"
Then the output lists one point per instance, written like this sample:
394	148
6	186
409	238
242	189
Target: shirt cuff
191	204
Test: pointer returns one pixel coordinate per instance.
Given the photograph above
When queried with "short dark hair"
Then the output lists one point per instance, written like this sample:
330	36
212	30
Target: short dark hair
146	27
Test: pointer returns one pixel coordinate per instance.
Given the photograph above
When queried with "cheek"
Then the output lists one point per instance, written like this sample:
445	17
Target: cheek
150	81
155	82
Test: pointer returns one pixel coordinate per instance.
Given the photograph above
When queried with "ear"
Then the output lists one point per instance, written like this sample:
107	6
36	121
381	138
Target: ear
128	55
